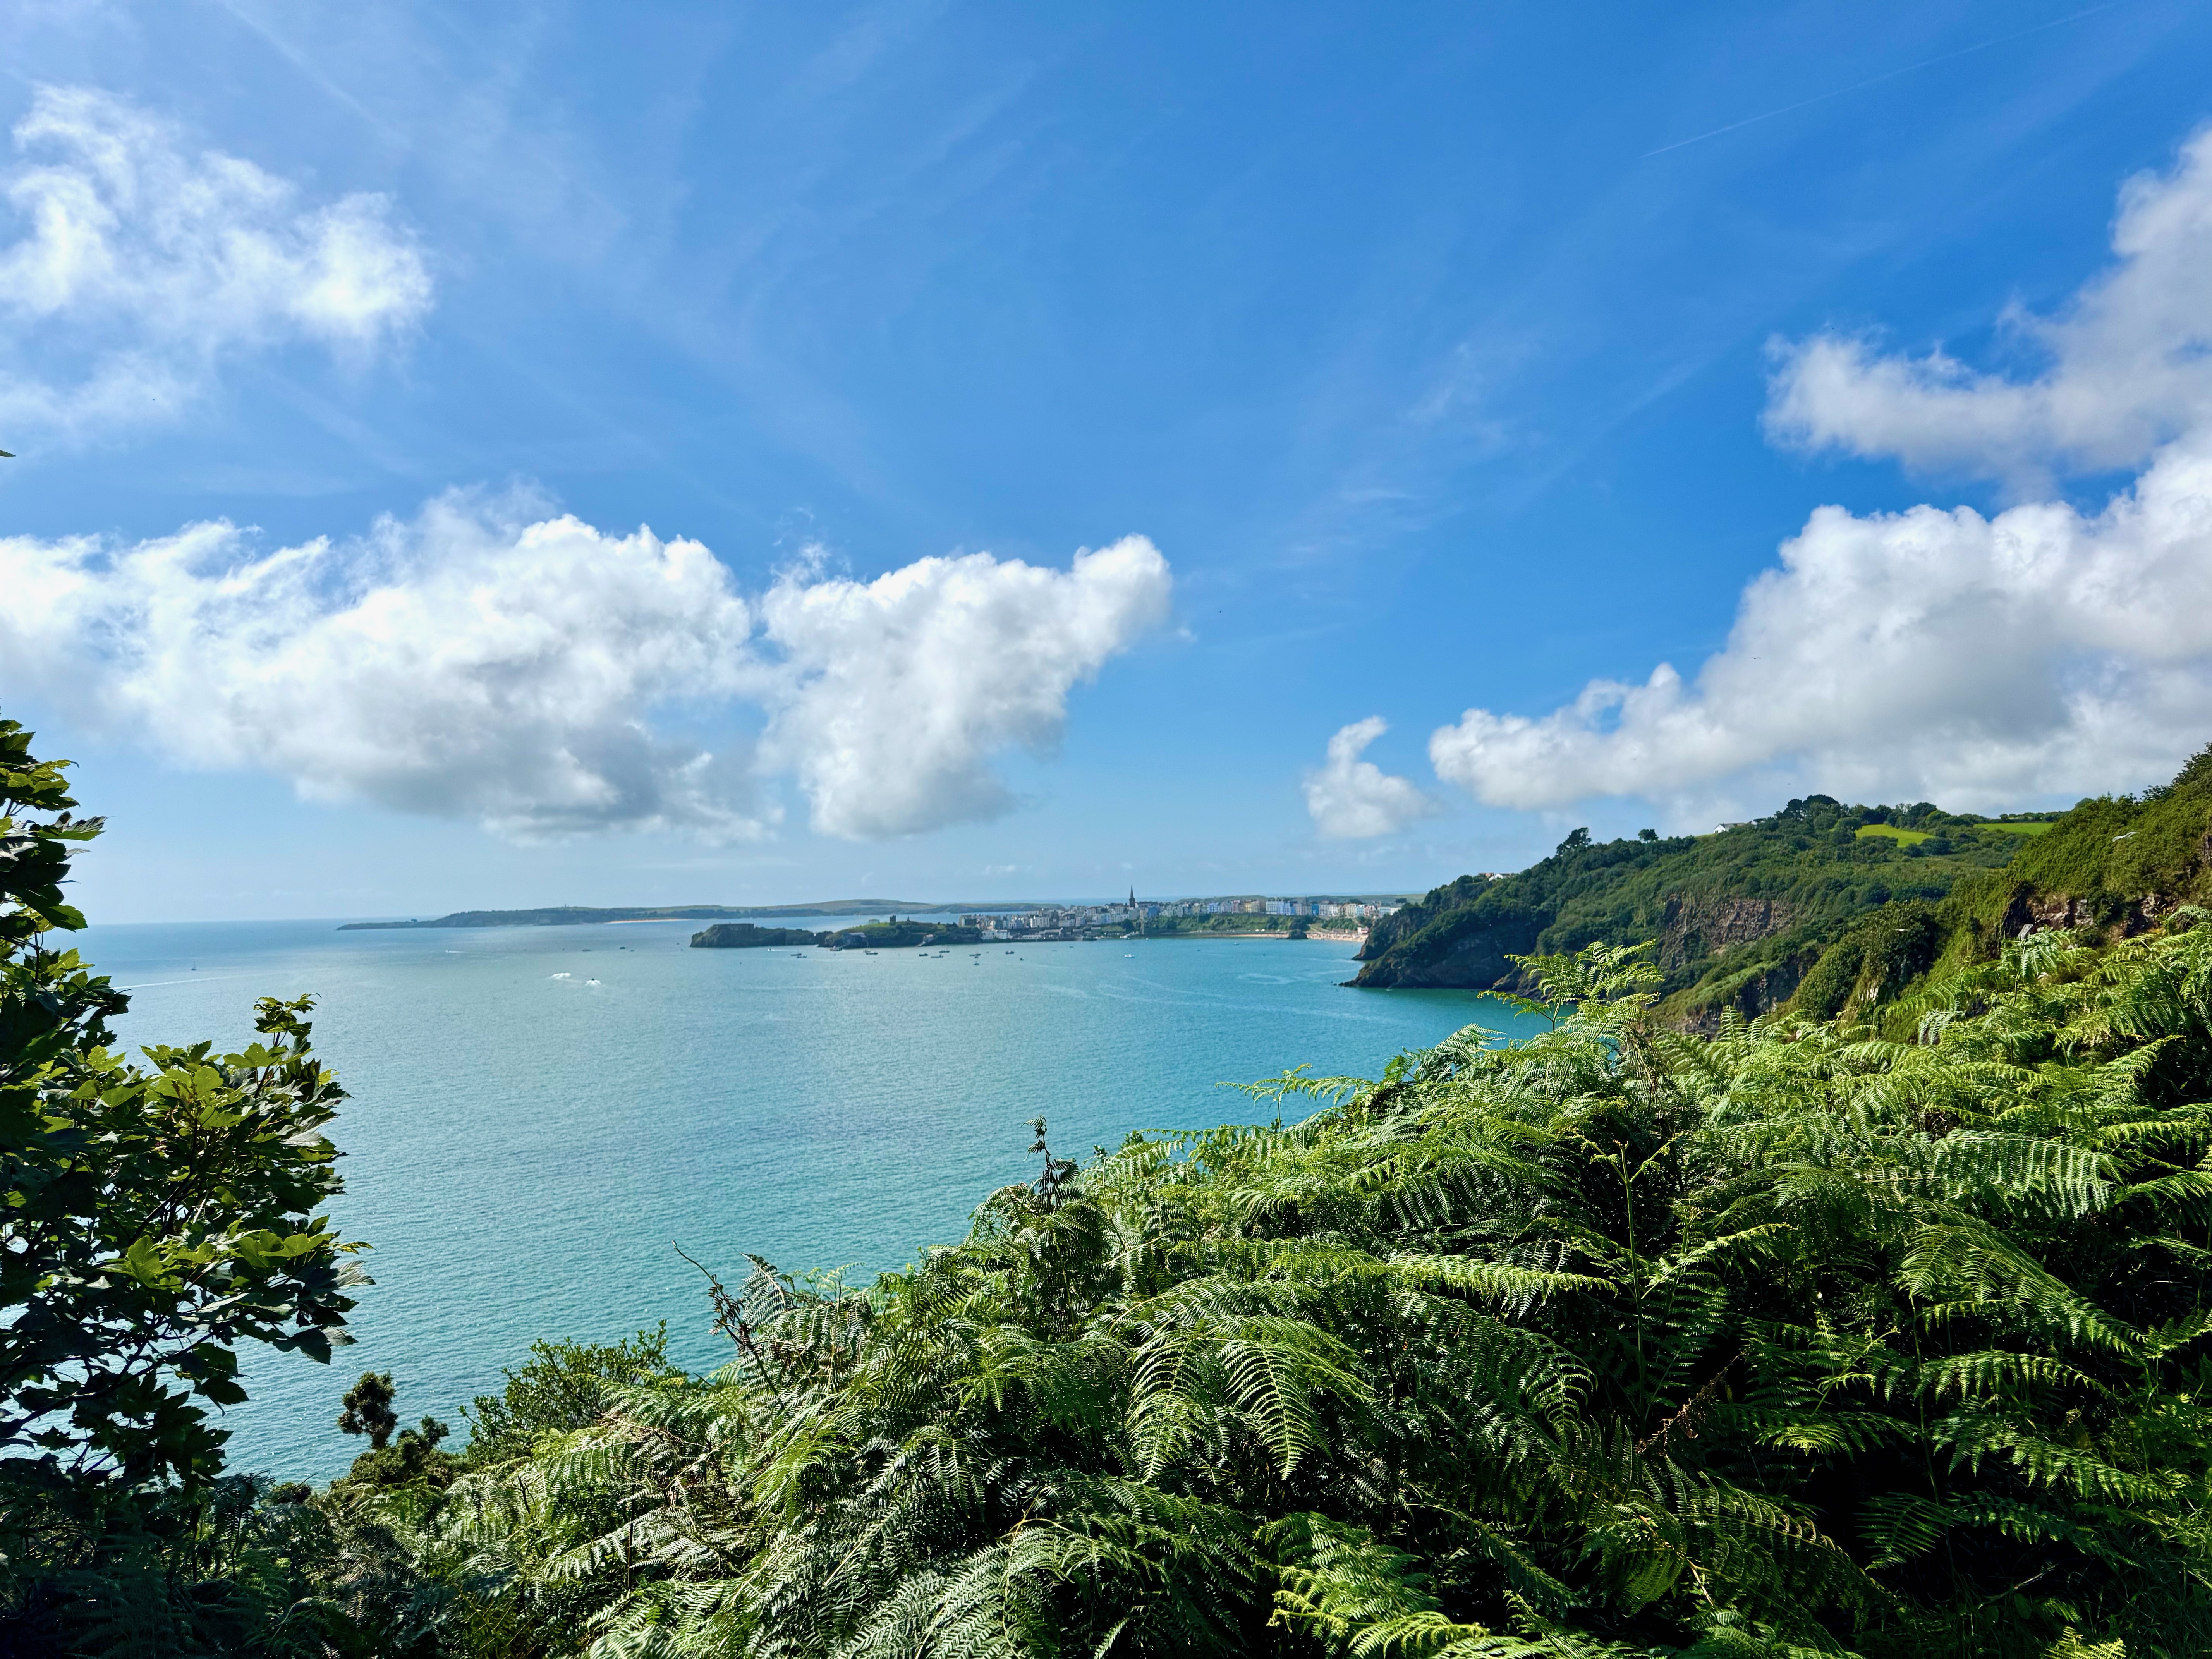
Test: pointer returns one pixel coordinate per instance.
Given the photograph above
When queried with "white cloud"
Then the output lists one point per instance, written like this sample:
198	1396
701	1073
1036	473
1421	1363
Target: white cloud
140	264
464	664
1976	661
528	673
2129	362
897	691
1351	799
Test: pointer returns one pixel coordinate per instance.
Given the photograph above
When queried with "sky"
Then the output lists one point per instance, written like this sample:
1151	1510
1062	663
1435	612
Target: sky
524	454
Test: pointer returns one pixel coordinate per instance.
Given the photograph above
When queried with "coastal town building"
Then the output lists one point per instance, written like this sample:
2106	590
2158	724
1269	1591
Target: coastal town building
1077	919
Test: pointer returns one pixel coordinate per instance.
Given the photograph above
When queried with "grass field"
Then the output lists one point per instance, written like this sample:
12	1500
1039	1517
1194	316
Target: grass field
1910	837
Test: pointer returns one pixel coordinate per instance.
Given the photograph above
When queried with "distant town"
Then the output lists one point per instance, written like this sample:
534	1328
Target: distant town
1081	920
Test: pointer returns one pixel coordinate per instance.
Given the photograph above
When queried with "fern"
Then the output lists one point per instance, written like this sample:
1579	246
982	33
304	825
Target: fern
1798	1341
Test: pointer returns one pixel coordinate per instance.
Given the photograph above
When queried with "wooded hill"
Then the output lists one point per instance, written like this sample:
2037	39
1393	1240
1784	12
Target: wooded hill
1817	905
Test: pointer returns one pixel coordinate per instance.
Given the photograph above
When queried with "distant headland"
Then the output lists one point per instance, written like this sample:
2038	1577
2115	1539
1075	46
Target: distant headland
1242	913
571	916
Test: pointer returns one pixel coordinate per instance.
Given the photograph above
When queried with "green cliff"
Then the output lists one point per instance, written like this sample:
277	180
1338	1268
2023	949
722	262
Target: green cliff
1738	917
1821	906
2113	868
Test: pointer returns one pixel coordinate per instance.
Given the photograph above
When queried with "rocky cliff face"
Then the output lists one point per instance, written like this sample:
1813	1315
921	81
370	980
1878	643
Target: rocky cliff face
742	935
1476	958
1441	946
2032	912
2114	868
1708	924
1390	932
1469	949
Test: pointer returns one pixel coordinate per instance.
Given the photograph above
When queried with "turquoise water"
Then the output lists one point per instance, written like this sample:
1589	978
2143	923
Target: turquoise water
539	1115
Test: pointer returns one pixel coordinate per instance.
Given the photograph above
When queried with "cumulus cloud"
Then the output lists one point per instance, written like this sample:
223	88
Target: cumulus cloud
138	265
464	664
1351	799
897	691
2127	364
1938	653
1928	652
536	674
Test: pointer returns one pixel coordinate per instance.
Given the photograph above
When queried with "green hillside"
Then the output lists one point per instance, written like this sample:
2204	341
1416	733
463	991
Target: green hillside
1739	916
1822	904
2111	868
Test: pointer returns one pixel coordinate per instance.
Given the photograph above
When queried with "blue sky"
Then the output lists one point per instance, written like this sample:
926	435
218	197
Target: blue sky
1444	358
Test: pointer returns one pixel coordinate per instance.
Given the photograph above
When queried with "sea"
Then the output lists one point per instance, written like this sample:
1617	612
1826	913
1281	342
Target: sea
541	1117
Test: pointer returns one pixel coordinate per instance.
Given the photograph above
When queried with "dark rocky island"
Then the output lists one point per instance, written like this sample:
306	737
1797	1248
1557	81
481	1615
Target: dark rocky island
742	935
894	934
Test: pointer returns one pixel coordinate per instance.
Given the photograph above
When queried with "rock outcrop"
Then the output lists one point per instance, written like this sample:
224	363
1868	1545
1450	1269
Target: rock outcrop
1697	926
742	935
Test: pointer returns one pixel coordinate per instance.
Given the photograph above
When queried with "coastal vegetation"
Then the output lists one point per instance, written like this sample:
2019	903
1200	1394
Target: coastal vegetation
156	1217
1739	916
1886	1332
1614	1342
1746	918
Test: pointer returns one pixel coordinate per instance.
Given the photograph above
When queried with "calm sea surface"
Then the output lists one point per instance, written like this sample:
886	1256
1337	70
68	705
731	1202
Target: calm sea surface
539	1115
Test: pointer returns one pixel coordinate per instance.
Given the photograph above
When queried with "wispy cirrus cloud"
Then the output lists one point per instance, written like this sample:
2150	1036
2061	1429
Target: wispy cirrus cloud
483	660
138	265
